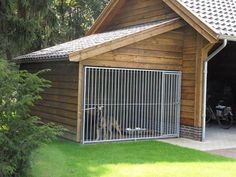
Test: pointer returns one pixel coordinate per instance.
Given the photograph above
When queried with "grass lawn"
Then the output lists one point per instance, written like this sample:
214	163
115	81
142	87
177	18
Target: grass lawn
146	158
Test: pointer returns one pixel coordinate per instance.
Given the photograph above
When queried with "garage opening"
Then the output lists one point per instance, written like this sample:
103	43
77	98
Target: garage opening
130	104
222	92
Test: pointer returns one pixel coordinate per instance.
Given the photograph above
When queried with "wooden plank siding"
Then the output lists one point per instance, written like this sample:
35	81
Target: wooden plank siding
195	51
140	11
162	52
188	79
59	103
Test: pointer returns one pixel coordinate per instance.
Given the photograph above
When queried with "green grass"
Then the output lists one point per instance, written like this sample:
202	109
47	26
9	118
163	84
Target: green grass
144	159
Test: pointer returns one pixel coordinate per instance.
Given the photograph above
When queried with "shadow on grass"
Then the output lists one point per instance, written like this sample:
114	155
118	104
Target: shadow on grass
72	159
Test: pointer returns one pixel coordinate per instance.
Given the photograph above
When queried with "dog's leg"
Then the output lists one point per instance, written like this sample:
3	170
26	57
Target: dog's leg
103	125
117	128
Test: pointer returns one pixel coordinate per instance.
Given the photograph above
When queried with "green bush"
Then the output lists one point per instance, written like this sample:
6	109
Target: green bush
20	132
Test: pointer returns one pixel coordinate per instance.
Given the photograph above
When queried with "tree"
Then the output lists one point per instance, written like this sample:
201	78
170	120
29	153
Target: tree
24	24
76	16
20	132
29	25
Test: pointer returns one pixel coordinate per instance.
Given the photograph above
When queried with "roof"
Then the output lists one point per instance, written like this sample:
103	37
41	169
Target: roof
219	15
93	45
214	19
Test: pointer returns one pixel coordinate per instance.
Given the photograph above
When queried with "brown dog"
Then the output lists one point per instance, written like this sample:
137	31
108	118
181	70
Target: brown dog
107	125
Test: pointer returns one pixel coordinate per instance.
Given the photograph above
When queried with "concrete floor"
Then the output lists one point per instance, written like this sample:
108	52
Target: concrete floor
216	139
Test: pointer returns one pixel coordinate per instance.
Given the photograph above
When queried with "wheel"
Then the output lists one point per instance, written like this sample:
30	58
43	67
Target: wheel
209	115
226	121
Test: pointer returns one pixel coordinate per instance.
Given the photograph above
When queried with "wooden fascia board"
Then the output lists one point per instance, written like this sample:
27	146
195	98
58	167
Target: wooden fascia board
127	40
106	16
192	20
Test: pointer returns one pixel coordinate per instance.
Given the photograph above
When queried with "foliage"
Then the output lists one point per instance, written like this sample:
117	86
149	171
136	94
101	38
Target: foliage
20	132
29	25
129	159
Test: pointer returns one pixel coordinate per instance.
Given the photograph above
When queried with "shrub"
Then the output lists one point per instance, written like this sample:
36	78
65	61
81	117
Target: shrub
20	132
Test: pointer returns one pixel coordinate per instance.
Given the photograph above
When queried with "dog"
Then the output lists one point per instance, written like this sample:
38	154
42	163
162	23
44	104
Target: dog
106	125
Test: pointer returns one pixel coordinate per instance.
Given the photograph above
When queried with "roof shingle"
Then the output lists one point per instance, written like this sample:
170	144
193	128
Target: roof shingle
219	15
62	51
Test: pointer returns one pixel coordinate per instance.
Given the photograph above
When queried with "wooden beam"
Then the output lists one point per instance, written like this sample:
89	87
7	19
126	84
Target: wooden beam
80	102
192	20
198	82
123	64
202	51
124	41
106	16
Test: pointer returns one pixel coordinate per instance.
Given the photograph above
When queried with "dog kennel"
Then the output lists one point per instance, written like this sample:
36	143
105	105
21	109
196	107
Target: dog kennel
130	104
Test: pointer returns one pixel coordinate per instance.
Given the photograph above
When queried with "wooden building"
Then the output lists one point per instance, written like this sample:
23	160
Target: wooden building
137	74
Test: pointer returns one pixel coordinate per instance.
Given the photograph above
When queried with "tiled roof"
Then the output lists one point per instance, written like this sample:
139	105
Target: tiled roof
62	51
219	15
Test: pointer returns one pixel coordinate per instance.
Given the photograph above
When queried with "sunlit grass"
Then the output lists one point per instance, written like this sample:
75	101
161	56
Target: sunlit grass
148	158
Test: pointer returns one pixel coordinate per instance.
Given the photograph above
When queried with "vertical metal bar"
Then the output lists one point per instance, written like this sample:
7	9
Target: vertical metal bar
153	104
95	104
165	103
133	99
179	102
84	104
114	101
133	76
109	104
171	103
125	126
145	103
92	110
99	102
162	103
122	93
168	105
105	105
156	90
129	100
148	119
136	101
137	107
174	104
118	101
153	96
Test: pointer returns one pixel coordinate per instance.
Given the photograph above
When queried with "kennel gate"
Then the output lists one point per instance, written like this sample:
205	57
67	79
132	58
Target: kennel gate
130	104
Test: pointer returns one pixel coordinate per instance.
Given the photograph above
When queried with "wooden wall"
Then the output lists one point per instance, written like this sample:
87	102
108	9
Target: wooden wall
141	11
188	80
162	52
195	51
59	103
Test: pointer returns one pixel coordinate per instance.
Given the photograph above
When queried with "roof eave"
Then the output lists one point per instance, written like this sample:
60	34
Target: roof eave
202	28
40	59
229	38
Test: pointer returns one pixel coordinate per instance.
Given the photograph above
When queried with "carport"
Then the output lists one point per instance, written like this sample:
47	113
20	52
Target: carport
222	86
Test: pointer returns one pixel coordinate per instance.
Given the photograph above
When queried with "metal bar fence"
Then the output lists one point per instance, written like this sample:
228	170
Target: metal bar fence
130	104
